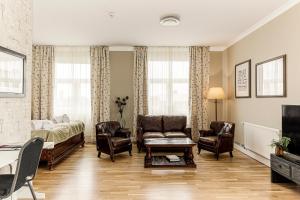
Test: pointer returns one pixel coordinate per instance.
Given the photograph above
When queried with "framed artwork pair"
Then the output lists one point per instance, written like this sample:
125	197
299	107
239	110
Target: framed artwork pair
270	78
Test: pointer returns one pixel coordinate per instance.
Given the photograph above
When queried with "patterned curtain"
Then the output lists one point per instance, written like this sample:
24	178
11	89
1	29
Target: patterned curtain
140	105
100	85
199	83
42	81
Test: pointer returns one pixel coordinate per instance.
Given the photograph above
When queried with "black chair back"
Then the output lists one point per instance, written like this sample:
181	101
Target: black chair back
28	162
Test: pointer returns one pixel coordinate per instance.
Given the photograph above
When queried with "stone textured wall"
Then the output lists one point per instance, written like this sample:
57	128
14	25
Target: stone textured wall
16	34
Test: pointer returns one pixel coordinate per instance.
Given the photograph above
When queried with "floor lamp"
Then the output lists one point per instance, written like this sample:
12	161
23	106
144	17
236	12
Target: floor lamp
216	93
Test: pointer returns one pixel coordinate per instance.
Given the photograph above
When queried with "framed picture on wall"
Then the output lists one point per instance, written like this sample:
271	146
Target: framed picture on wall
271	77
12	73
243	79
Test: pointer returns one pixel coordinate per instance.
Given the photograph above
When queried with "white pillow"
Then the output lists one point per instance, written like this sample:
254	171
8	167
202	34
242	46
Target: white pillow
58	119
65	118
48	124
36	124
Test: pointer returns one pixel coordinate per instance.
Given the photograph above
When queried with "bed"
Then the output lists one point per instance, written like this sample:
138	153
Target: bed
65	137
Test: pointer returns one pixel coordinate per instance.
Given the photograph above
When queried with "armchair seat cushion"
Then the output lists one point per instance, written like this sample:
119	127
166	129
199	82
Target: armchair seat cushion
175	135
120	141
153	135
209	140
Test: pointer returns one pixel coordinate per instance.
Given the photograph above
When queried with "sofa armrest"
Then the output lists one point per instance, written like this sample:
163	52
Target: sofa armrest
188	132
123	133
205	133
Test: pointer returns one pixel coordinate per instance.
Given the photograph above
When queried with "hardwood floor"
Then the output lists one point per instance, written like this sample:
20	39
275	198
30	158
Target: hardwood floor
84	176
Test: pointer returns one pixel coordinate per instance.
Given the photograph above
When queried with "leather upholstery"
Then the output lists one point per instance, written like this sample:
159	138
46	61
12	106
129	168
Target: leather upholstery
110	127
160	127
174	123
211	140
175	135
118	141
152	123
111	139
153	135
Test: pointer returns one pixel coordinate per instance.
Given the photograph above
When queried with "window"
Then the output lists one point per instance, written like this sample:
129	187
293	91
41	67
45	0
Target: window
168	80
72	94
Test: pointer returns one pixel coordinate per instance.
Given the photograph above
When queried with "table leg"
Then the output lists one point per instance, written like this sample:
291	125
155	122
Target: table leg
149	154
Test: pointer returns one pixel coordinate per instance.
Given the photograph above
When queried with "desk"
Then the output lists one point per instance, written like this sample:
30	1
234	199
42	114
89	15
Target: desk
8	158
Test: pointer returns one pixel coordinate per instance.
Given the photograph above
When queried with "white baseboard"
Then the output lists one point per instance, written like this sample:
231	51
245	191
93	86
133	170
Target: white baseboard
251	154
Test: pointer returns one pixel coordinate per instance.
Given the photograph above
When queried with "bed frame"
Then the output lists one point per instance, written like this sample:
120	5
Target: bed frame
62	150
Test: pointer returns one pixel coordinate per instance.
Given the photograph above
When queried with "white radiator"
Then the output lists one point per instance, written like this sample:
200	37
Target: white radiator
258	138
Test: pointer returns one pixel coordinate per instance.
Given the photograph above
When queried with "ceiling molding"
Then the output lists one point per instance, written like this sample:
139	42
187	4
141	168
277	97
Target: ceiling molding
121	48
217	48
131	48
264	21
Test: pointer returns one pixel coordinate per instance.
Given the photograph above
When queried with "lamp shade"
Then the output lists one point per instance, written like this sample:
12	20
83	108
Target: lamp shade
215	93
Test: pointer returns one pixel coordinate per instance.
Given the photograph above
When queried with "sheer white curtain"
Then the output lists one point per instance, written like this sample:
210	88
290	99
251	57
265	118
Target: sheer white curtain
72	84
168	80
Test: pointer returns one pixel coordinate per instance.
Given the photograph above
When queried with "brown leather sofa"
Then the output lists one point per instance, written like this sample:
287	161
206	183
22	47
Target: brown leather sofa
111	139
160	127
215	141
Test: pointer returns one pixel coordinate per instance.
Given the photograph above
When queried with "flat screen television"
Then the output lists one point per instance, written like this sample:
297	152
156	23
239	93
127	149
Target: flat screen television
291	127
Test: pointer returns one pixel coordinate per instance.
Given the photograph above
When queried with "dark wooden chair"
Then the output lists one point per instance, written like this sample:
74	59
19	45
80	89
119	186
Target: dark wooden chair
217	140
112	139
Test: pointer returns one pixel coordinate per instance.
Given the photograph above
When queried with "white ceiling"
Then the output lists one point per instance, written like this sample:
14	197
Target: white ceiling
136	22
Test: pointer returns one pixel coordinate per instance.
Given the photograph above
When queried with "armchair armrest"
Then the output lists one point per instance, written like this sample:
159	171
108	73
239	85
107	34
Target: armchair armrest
139	134
123	133
205	133
103	140
103	135
188	132
225	142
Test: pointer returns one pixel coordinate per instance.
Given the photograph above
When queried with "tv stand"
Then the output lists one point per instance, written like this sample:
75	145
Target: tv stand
285	169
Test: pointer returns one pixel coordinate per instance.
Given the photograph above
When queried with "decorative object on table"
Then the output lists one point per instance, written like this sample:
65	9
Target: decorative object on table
271	77
216	93
12	73
121	103
243	79
173	158
280	145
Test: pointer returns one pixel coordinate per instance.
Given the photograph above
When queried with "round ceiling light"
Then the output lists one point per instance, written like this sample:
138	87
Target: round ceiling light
170	21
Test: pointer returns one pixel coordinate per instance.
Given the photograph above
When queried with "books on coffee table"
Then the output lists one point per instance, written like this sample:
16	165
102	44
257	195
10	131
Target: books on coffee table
173	158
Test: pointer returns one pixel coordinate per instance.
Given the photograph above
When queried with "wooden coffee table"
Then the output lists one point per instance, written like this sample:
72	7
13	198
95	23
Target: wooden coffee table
186	144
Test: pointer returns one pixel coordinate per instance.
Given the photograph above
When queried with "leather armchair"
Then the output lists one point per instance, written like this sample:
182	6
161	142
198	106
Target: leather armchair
111	139
215	141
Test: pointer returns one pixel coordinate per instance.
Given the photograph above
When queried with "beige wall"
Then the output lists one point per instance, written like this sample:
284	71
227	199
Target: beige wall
280	36
122	83
16	34
215	80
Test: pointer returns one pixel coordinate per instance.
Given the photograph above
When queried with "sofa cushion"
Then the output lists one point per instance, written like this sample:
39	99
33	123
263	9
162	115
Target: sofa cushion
174	123
209	140
119	141
152	123
175	135
153	135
